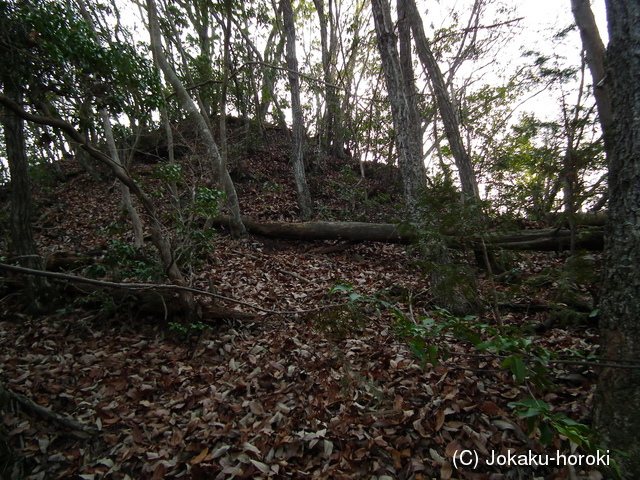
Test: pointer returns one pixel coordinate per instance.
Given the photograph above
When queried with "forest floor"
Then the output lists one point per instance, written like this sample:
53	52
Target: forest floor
331	393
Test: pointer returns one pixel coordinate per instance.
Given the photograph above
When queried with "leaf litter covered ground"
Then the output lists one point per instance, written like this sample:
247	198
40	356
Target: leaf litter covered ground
329	393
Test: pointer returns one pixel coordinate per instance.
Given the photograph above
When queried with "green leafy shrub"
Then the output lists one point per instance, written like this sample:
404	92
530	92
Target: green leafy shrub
540	419
528	363
429	339
185	331
168	172
342	320
125	261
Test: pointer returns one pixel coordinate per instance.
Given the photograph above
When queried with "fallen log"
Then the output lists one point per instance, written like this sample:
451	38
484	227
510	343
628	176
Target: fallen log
547	239
543	239
585	219
351	231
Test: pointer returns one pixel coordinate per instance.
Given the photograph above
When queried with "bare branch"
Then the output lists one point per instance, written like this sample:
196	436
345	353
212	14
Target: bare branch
152	286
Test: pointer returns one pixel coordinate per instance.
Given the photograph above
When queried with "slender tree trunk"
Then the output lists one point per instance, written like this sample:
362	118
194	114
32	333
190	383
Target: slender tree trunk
164	118
330	129
269	77
595	56
445	106
200	15
40	291
225	86
138	234
297	154
205	107
406	66
570	167
271	56
337	126
617	402
205	133
568	195
324	126
89	164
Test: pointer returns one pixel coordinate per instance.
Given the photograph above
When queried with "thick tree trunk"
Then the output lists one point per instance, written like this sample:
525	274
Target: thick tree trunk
449	294
297	148
617	412
408	79
411	167
330	128
40	291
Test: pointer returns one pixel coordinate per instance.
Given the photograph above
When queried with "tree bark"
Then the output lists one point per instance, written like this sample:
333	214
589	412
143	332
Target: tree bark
408	79
325	124
617	407
40	292
297	148
570	162
448	282
330	128
226	65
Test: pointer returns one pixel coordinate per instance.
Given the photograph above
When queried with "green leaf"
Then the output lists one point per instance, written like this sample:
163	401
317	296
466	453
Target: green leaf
546	434
533	403
488	345
341	288
432	350
518	368
572	423
354	297
529	413
531	424
572	433
473	337
417	347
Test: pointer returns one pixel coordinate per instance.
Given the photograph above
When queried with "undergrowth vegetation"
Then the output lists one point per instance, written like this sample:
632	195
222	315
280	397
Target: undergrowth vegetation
502	348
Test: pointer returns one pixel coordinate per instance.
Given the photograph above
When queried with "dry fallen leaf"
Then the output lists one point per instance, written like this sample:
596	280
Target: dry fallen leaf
200	457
